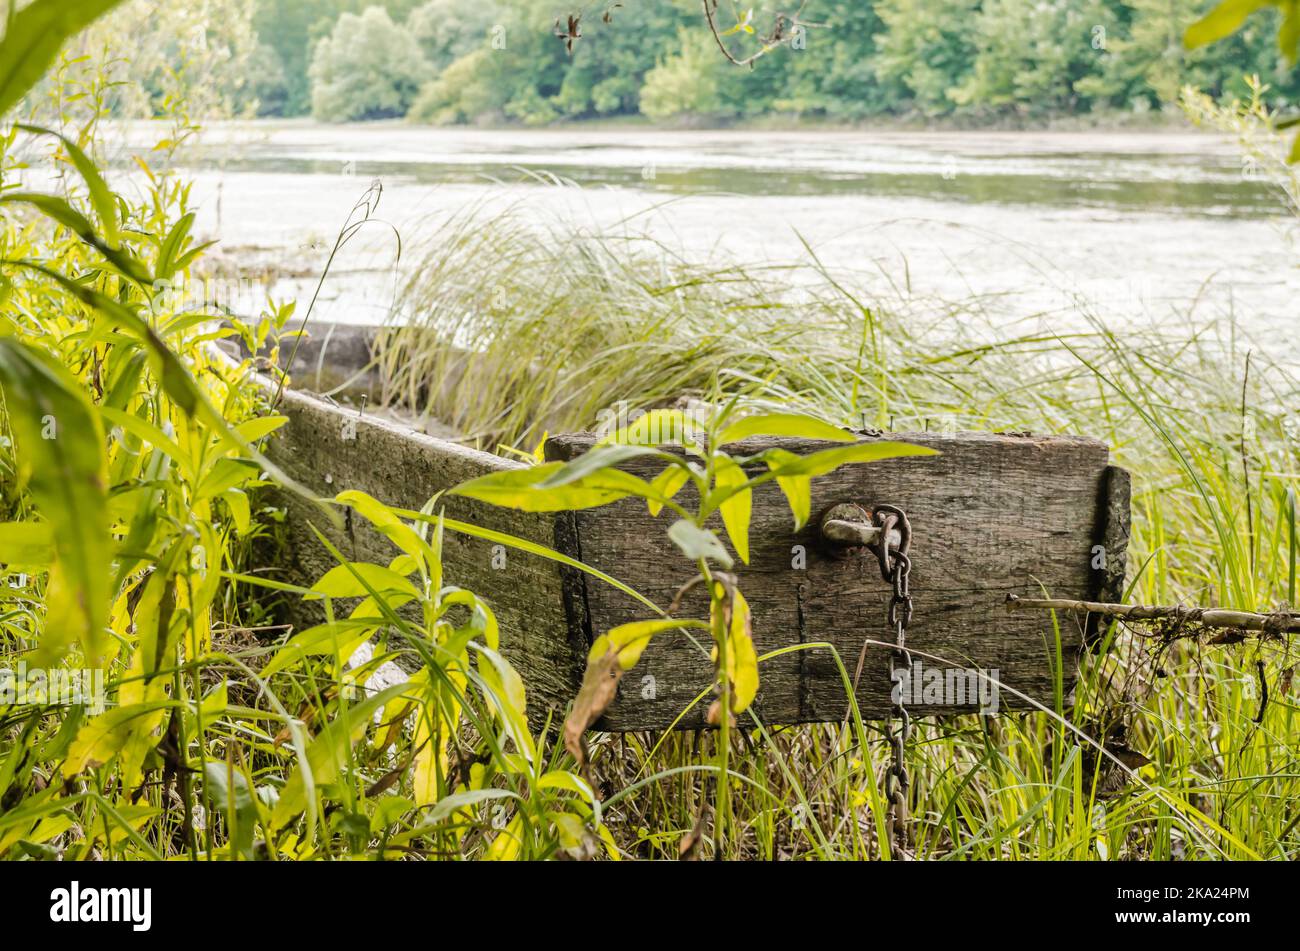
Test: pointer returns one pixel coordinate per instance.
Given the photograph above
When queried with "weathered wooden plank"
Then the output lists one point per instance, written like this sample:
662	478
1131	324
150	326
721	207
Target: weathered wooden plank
992	514
329	449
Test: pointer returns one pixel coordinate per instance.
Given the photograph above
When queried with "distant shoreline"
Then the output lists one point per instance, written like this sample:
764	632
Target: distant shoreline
1172	121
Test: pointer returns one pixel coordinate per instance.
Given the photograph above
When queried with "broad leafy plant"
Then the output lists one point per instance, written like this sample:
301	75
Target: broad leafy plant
454	734
127	463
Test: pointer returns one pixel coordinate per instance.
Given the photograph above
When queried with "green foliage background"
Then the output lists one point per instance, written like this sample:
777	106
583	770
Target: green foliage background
976	60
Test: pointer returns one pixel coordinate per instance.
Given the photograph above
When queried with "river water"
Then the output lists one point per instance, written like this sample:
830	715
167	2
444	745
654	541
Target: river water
1134	228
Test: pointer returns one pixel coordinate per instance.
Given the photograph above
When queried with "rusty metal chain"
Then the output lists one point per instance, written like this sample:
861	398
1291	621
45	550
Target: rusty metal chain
896	568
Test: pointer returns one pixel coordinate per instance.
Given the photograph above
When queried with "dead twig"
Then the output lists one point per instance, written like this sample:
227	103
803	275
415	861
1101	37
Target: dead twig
1269	625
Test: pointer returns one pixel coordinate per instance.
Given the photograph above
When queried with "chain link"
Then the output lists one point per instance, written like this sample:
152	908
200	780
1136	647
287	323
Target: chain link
896	568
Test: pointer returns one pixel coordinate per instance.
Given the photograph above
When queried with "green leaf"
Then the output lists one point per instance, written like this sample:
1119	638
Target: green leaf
627	641
593	461
696	543
341	581
737	507
60	211
56	209
215	702
666	485
742	660
57	746
61	458
509	699
35	35
797	488
828	460
382	518
388	811
343	636
449	804
521	489
176	379
104	736
26	544
100	196
230	791
784	424
659	427
1221	22
225	474
166	266
240	511
563	779
147	432
251	430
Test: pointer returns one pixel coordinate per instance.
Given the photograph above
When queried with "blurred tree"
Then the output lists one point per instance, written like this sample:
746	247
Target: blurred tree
693	79
608	68
267	89
286	26
293	27
516	74
463	91
500	60
367	68
1145	63
1030	56
928	48
190	62
450	29
831	69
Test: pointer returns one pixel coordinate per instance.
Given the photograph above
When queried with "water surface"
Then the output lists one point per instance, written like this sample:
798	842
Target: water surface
1125	226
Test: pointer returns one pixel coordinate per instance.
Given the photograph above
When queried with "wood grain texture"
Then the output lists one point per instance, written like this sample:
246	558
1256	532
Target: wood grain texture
405	469
992	514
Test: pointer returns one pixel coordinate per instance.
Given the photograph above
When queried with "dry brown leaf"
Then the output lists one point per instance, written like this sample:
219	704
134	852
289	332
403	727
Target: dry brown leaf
714	716
689	846
599	686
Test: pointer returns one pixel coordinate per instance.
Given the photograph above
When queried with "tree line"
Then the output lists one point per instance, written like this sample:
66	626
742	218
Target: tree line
448	61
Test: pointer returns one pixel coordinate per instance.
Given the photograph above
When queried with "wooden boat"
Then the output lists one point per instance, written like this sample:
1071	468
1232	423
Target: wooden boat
993	514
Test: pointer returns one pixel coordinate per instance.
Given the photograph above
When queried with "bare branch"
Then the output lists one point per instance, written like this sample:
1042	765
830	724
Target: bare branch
1279	622
784	27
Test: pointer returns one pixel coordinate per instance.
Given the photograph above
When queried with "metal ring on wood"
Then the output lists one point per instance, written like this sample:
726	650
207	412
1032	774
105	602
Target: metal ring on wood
849	528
